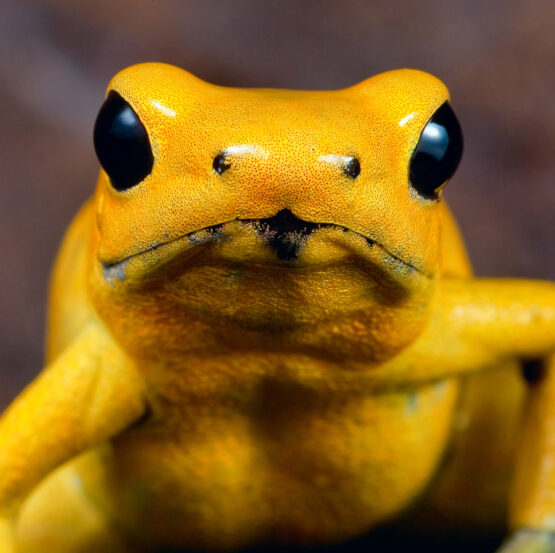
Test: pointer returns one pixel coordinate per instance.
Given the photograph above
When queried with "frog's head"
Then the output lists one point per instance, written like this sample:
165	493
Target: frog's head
273	205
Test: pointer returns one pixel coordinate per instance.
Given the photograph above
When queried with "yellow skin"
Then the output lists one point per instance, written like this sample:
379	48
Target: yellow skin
202	393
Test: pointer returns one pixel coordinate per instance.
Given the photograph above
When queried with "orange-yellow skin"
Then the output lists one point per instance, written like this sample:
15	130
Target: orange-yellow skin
202	393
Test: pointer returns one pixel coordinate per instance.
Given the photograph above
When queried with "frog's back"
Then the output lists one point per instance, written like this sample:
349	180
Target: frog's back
69	308
453	255
471	490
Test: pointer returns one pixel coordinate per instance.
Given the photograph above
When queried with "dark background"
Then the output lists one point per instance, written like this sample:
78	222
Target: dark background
56	57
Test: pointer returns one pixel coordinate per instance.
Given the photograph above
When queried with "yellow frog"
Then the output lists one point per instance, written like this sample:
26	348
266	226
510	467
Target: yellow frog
264	330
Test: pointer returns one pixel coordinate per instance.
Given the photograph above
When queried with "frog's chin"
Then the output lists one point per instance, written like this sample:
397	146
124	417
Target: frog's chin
281	242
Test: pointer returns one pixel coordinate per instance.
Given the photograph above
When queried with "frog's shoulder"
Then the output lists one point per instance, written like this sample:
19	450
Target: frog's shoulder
69	306
454	257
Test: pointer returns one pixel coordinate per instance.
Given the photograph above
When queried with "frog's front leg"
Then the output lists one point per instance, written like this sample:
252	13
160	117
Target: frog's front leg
532	506
497	319
88	394
478	323
528	540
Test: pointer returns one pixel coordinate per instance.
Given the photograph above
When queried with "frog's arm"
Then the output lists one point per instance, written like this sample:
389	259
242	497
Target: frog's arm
88	394
479	322
532	505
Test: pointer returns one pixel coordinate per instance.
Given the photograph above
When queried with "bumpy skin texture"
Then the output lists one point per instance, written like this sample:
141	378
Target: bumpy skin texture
203	393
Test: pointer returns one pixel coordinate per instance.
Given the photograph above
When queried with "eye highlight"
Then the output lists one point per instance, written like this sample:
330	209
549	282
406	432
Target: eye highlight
437	154
122	144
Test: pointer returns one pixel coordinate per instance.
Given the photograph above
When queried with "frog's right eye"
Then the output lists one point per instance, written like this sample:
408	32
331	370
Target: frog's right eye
121	143
437	154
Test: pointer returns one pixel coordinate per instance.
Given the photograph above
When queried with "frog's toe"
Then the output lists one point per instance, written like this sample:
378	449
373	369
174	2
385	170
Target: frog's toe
530	540
58	518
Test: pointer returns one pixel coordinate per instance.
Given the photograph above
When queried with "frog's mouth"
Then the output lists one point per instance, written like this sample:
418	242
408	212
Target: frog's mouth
284	233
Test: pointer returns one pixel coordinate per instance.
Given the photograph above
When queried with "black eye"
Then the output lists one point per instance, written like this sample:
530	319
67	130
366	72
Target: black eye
437	153
121	143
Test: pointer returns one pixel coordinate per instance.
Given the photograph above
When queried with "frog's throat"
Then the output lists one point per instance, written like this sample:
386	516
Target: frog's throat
283	233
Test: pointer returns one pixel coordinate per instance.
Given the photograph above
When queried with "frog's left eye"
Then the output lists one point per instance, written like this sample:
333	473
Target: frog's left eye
437	154
121	143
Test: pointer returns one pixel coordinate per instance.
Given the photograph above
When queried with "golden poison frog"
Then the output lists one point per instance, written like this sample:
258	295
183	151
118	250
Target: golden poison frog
264	330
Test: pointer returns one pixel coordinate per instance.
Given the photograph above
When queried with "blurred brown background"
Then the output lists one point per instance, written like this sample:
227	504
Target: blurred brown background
56	57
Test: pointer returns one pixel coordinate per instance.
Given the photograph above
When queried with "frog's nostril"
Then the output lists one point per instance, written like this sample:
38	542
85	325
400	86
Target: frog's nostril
352	168
220	164
349	165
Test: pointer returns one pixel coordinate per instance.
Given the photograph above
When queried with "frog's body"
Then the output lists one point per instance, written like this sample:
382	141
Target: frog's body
271	347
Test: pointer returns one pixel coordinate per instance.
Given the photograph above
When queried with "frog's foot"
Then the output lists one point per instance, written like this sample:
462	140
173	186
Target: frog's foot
6	536
530	540
58	517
